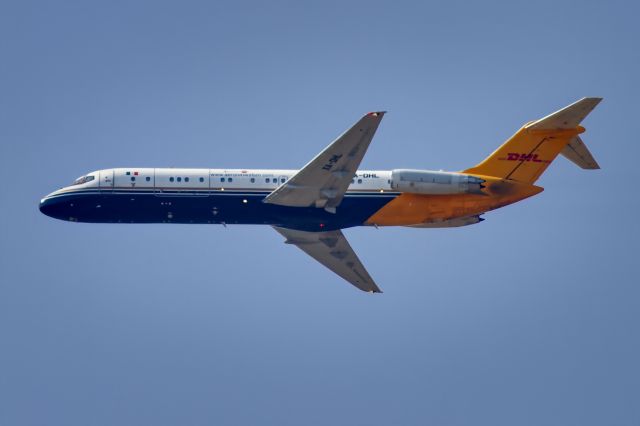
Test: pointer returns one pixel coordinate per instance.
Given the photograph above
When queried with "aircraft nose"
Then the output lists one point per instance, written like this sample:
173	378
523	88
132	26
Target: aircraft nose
45	206
51	207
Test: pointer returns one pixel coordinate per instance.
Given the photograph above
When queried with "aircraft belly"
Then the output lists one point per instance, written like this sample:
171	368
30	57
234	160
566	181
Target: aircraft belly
214	207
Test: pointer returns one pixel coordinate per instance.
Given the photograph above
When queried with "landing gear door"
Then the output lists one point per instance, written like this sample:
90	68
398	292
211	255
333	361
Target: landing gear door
106	180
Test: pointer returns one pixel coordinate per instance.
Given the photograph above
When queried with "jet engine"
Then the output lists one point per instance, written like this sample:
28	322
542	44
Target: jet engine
435	183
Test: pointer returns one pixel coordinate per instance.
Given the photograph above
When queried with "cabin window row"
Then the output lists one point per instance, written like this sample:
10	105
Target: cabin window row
186	179
253	180
148	179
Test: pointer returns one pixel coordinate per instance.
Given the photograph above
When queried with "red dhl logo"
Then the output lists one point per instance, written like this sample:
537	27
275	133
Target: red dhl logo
514	156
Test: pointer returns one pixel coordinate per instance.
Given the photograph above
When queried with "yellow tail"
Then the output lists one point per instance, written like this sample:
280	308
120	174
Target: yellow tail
528	153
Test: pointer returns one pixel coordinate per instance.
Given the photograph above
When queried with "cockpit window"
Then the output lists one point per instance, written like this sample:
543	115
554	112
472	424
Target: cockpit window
83	179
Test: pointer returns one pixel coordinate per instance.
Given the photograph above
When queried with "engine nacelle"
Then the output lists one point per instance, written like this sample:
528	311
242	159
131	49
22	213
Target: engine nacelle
435	183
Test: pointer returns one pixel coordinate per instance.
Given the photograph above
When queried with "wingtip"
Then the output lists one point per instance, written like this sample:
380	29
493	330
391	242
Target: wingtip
376	113
373	289
594	166
595	100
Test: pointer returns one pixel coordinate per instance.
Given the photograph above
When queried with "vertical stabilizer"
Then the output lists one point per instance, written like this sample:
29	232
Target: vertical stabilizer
528	153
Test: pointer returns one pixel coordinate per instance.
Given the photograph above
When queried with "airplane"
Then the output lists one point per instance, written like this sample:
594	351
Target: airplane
309	207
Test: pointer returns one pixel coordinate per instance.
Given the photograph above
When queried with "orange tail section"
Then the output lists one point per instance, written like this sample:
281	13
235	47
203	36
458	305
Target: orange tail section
528	153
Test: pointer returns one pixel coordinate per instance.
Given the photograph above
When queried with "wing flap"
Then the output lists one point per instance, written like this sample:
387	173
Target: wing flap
334	251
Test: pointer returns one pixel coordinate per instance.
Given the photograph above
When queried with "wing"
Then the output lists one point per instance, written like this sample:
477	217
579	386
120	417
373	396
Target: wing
324	180
332	250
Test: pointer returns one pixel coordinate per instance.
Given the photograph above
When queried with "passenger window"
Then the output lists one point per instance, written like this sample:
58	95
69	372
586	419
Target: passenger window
201	179
133	178
230	179
148	179
253	180
179	179
267	180
282	180
359	180
171	179
186	179
221	179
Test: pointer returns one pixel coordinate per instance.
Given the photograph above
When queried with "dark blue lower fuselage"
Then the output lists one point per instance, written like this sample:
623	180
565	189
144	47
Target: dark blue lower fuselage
210	206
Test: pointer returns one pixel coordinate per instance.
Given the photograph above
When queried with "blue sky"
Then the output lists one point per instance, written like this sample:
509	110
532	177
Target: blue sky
528	318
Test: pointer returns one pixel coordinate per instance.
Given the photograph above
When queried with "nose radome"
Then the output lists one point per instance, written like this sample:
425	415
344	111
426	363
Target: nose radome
45	206
51	207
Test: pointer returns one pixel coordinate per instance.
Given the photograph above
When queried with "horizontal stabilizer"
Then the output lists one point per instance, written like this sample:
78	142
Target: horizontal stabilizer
566	118
577	152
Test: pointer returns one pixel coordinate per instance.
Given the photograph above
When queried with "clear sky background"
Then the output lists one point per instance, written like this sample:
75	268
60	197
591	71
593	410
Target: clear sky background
529	318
